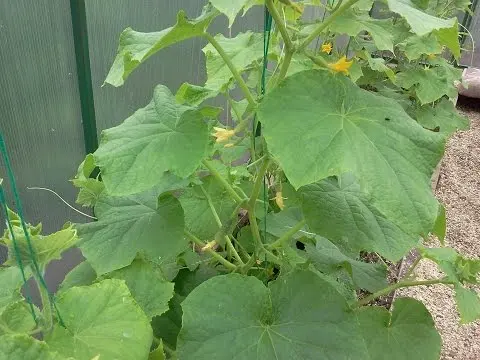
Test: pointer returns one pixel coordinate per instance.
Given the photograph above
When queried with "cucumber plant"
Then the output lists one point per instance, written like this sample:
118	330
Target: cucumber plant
245	241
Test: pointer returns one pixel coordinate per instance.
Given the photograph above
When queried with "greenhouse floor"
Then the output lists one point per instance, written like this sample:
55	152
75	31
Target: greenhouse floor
459	189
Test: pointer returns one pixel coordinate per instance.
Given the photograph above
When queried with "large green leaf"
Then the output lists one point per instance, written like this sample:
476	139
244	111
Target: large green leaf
102	319
301	315
24	347
11	282
129	225
351	23
444	115
163	136
348	215
420	22
341	128
406	334
243	50
136	47
431	83
147	285
17	318
328	258
199	218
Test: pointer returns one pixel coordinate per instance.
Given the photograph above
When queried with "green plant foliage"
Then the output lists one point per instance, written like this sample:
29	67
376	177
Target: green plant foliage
23	347
16	318
244	50
460	271
90	189
11	280
199	218
407	333
147	285
129	225
444	116
352	24
420	22
328	258
340	133
266	229
103	319
46	248
170	136
431	83
355	220
314	322
136	47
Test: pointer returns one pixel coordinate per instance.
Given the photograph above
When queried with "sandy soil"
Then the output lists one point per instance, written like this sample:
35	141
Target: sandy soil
459	189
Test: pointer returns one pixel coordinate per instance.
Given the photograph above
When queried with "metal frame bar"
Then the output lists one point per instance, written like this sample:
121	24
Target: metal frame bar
84	74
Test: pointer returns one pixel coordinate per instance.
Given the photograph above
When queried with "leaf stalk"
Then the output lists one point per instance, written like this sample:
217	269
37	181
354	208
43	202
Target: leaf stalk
399	285
241	83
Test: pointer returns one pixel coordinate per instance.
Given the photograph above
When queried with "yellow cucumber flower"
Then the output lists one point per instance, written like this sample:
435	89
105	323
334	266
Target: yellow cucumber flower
223	135
279	200
327	48
342	65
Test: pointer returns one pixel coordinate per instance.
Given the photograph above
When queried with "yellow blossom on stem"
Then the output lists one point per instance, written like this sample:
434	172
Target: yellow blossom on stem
223	135
327	48
342	65
229	145
279	200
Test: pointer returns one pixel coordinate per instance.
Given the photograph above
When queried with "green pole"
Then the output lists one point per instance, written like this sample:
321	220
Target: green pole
84	74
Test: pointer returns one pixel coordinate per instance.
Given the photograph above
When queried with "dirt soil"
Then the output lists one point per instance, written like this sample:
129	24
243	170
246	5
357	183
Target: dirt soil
459	190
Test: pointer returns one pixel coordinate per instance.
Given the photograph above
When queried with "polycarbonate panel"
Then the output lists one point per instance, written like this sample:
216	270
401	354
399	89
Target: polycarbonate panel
171	67
39	107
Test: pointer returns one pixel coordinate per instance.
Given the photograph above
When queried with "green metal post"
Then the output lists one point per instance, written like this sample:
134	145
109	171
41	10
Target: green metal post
84	74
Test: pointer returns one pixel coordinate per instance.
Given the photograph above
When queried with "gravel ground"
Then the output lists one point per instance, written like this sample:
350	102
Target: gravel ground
459	189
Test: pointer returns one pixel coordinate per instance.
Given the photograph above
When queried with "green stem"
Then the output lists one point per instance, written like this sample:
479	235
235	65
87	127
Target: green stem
318	30
399	285
280	25
258	183
251	206
412	267
222	181
273	256
212	252
220	225
285	65
241	83
46	305
233	250
212	207
256	161
288	235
